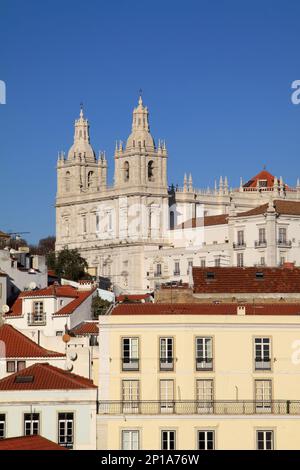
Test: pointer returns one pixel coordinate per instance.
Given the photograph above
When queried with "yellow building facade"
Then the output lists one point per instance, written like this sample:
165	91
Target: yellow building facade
199	377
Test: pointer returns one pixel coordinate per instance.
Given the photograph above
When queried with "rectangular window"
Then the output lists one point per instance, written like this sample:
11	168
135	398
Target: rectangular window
2	426
130	440
66	429
190	267
177	268
204	357
166	359
158	269
21	365
10	367
110	221
97	222
130	354
240	260
204	392
206	440
263	396
31	424
262	261
240	238
217	262
262	353
166	396
282	260
262	236
38	312
168	440
130	396
202	262
84	228
264	440
282	235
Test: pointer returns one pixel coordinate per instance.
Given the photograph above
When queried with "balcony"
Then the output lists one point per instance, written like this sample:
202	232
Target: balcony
166	363
282	243
157	274
239	245
262	363
176	273
203	407
36	319
128	363
260	243
204	363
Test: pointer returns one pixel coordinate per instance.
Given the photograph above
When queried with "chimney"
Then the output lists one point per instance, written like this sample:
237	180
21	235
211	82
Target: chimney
241	310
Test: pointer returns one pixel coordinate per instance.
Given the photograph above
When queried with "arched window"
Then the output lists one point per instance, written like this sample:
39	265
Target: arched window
80	134
126	171
90	179
67	181
151	171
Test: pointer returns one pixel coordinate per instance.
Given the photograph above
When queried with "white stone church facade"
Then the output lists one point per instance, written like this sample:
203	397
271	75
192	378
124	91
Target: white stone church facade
133	233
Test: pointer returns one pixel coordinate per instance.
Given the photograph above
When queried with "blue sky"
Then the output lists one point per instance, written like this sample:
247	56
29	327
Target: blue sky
216	76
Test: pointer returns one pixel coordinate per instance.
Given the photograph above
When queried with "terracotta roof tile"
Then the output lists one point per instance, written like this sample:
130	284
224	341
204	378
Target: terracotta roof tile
44	377
81	296
51	291
205	309
20	346
246	280
29	443
86	328
206	221
281	207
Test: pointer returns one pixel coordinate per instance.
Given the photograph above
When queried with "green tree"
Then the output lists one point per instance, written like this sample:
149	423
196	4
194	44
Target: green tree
69	264
100	306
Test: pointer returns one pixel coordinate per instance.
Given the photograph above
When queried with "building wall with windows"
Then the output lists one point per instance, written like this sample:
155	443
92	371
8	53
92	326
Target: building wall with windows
233	374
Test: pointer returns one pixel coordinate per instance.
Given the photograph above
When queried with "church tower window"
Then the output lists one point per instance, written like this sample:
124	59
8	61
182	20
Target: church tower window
151	171
126	171
67	182
90	178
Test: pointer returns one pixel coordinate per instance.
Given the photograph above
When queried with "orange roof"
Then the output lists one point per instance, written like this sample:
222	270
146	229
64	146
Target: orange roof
51	291
206	221
246	280
262	175
86	328
29	443
19	345
205	309
43	376
81	296
281	207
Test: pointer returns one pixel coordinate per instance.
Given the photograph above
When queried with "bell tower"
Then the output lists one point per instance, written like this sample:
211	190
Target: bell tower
141	165
81	171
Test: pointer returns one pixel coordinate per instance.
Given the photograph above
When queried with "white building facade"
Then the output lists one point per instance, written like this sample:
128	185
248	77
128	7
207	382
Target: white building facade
125	231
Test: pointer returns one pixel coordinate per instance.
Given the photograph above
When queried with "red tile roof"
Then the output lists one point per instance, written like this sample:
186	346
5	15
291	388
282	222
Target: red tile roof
29	443
281	207
263	175
53	291
45	377
86	328
18	345
206	309
81	296
245	280
206	221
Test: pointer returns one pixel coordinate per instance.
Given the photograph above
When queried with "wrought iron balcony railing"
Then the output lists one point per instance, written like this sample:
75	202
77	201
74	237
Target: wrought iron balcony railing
204	363
128	363
36	319
263	363
239	245
189	407
284	243
166	363
260	243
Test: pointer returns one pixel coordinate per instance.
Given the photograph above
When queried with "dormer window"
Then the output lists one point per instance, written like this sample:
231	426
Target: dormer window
262	183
